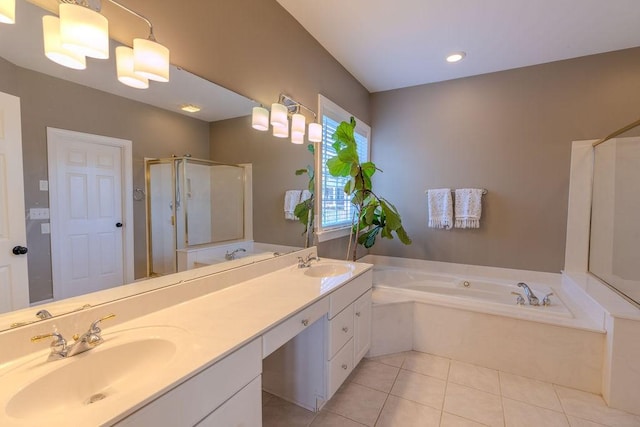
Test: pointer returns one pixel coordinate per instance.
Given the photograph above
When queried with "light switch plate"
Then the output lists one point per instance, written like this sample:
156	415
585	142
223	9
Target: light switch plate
39	213
44	185
45	228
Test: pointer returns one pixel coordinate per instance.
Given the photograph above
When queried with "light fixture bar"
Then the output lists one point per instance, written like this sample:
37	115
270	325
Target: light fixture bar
133	12
294	106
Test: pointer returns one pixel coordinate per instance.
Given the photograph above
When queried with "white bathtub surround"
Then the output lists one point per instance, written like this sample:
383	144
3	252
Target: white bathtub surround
621	320
469	323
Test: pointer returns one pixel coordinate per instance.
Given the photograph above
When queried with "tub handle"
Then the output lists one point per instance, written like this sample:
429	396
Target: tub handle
546	300
520	299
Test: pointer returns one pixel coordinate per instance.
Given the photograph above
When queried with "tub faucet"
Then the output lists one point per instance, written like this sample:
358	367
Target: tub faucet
232	255
533	299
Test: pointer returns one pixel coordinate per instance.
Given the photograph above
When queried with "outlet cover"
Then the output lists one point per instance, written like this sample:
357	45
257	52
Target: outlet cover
44	185
45	228
39	213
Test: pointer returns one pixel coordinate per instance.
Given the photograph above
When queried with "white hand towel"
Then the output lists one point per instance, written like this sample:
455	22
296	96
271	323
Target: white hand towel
306	195
468	207
440	208
291	199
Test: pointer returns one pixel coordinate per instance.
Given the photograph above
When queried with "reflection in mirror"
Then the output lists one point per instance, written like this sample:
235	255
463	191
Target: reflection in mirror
92	101
192	202
615	230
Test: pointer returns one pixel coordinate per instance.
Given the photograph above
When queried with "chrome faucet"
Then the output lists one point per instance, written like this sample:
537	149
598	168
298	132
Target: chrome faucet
232	255
533	299
61	350
43	314
306	262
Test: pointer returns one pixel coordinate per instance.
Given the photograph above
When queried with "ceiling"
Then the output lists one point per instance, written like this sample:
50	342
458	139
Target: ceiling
393	44
216	102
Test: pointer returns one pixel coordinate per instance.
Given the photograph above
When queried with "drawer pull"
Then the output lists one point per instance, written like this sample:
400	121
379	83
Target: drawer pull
344	366
345	329
305	322
358	313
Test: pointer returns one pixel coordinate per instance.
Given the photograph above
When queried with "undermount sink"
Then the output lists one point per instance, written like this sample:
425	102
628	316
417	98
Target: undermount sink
125	361
328	269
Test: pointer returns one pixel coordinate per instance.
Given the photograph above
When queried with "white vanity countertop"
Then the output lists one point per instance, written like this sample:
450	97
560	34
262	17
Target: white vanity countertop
214	325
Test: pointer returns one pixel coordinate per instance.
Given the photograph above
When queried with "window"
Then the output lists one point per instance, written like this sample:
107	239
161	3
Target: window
335	211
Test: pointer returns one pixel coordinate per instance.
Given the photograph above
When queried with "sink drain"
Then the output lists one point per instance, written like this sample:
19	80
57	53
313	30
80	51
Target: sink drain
96	398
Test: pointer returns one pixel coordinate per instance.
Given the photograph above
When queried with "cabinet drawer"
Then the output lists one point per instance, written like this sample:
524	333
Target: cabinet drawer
340	330
339	368
192	400
291	327
349	292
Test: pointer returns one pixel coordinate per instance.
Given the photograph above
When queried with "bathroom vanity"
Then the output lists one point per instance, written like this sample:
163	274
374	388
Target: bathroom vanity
200	361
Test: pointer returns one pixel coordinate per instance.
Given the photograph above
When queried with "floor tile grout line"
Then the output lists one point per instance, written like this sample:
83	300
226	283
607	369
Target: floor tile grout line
389	393
444	396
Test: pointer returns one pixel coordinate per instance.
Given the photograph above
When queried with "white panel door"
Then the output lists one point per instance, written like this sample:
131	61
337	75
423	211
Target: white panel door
14	283
87	213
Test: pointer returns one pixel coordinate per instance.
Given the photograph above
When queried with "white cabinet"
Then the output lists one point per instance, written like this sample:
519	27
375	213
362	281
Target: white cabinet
310	368
196	398
239	411
362	326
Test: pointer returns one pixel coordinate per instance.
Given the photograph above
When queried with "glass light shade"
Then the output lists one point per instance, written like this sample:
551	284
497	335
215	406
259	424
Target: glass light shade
54	50
151	60
279	115
298	123
124	67
297	137
260	119
8	11
84	31
281	131
315	132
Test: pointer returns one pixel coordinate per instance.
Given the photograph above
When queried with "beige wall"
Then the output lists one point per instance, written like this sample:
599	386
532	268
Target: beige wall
50	102
509	132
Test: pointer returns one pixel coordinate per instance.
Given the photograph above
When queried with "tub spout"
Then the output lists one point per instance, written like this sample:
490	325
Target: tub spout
533	299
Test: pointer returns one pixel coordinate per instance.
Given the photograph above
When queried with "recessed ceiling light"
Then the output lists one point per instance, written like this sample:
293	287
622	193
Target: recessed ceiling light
190	108
456	56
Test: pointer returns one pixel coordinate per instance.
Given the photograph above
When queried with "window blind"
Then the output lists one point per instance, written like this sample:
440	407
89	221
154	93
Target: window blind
336	210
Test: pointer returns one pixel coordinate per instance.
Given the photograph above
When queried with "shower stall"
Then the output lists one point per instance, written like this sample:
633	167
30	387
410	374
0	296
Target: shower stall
191	203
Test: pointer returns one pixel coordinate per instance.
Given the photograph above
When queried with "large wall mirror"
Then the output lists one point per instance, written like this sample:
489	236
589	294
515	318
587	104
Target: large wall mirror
614	256
93	102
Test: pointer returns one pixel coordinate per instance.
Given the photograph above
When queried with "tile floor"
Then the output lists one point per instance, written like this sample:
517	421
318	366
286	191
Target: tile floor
418	389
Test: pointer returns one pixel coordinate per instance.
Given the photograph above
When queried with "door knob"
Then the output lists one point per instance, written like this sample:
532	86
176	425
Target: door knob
19	250
118	224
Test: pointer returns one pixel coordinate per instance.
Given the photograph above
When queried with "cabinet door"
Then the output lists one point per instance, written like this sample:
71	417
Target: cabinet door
244	409
362	326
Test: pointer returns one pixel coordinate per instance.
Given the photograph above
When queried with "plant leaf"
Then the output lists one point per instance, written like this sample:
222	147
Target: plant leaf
337	167
393	221
301	171
403	236
368	169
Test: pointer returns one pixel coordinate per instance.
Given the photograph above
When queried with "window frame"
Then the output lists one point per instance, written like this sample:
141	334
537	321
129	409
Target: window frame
328	108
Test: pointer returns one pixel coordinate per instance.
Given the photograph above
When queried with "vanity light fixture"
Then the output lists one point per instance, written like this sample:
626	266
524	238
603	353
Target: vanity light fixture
83	31
190	108
456	57
124	69
280	112
8	11
260	119
53	47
